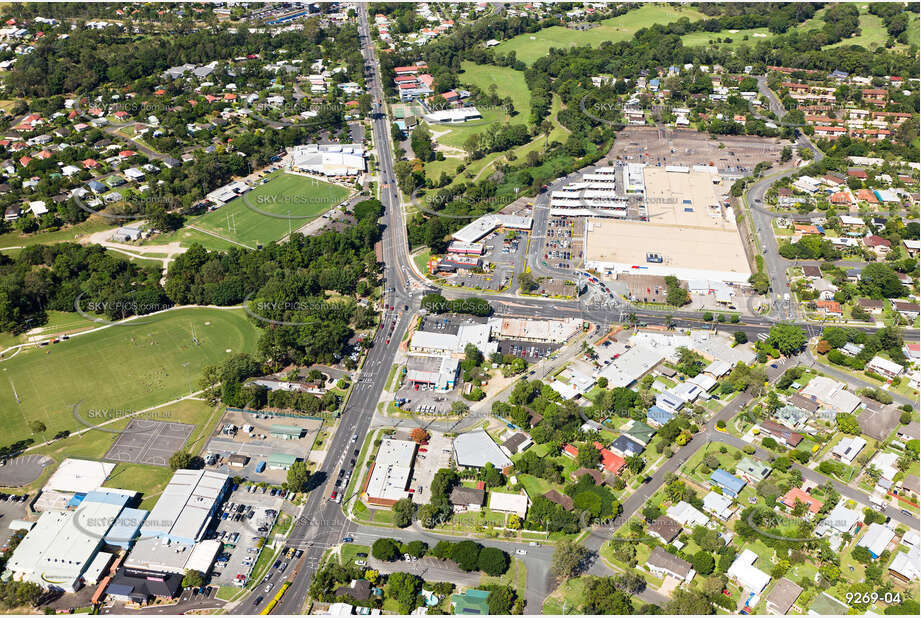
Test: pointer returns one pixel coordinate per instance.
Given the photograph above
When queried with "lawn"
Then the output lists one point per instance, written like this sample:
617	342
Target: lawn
149	480
187	236
126	367
67	234
295	200
349	553
529	47
508	82
567	598
738	37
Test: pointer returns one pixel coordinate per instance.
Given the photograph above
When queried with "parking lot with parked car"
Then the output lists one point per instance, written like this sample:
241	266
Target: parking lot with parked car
243	524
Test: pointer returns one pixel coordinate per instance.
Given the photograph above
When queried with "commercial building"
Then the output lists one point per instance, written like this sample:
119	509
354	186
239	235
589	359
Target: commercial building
329	159
391	472
286	432
540	331
475	449
438	372
475	230
452	116
689	233
427	342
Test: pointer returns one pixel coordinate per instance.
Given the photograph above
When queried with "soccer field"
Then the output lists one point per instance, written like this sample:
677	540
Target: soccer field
121	368
296	199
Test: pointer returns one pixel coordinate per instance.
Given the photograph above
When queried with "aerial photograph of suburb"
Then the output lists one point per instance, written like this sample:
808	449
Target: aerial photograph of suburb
416	308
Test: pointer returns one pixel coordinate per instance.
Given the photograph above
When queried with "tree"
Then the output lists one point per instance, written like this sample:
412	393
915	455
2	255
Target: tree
526	282
180	460
419	435
193	579
879	280
493	561
466	554
588	456
569	559
848	424
385	549
501	600
703	562
403	511
38	427
787	338
602	596
404	588
688	602
740	337
298	475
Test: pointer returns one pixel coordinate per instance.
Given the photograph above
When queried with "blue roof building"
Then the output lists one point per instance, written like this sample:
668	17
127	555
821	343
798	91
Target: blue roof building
657	416
731	485
125	528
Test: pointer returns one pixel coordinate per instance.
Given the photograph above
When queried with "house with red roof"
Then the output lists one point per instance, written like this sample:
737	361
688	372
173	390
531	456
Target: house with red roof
841	197
24	161
43	154
90	164
611	462
160	92
124	154
795	495
865	195
121	115
570	451
880	245
229	96
829	307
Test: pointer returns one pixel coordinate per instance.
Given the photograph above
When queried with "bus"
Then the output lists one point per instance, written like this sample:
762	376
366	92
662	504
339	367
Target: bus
281	591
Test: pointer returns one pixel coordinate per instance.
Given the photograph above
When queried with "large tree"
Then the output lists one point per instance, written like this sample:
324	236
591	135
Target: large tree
787	338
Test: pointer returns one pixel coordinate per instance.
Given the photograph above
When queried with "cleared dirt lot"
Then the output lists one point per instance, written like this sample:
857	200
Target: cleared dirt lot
739	154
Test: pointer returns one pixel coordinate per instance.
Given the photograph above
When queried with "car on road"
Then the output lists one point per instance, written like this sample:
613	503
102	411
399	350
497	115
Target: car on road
269	586
521	552
258	600
361	563
534	544
347	539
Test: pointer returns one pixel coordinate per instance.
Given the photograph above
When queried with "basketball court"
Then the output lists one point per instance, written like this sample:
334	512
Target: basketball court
149	442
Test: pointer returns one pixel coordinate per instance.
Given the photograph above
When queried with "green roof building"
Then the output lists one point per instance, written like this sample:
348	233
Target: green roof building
281	461
641	432
471	603
286	432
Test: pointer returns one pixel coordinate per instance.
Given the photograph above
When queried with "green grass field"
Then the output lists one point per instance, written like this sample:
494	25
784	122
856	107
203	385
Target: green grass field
67	234
284	194
528	47
749	37
117	368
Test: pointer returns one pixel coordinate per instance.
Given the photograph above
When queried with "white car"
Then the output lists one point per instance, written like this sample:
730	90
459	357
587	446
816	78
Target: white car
521	552
361	562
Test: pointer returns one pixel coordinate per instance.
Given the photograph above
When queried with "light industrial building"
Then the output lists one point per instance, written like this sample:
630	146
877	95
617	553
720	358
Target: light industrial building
178	521
63	545
391	471
689	234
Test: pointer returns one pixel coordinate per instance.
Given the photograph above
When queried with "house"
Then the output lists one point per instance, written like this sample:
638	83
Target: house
729	484
665	529
906	309
912	351
848	448
663	564
611	463
870	305
358	589
743	571
878	244
811	271
783	435
467	499
905	565
596	475
752	470
657	417
795	495
517	443
829	307
625	447
782	597
641	433
876	539
885	367
560	499
718	505
686	515
841	519
516	504
831	394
